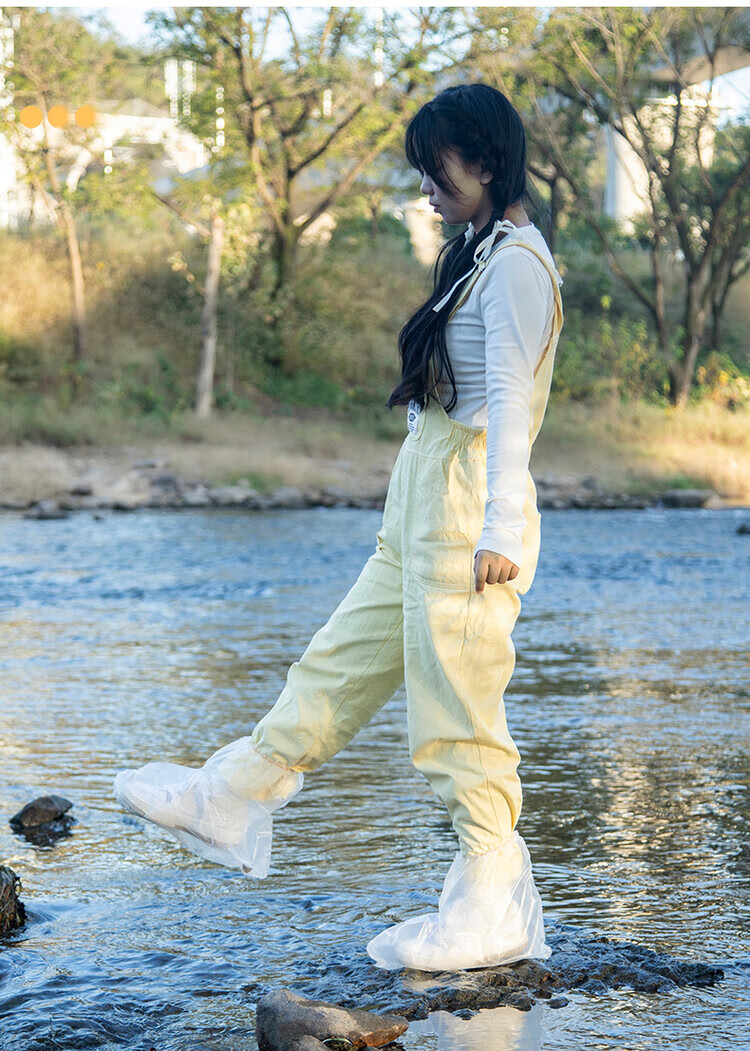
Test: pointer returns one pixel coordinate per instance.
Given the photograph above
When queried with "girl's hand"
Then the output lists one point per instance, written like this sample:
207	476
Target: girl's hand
492	568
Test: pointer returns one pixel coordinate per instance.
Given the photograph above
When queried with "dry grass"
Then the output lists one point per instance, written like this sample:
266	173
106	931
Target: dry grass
642	447
279	450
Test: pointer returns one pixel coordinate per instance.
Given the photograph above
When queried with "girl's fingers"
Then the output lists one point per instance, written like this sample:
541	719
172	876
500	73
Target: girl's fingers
487	571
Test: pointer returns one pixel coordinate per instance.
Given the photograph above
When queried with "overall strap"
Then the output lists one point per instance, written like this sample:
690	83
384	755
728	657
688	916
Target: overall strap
558	310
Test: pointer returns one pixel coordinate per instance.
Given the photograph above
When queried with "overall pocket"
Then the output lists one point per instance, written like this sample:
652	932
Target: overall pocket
443	524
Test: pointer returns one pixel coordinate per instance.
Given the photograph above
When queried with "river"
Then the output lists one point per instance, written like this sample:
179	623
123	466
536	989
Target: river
130	637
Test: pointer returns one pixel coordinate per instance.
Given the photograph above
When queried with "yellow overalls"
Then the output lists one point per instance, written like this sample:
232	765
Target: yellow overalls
411	616
414	616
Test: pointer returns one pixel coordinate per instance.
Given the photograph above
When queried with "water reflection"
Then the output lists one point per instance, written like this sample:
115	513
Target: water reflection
501	1029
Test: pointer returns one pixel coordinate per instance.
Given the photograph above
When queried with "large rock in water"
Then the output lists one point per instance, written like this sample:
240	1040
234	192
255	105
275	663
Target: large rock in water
286	1022
12	911
687	497
40	812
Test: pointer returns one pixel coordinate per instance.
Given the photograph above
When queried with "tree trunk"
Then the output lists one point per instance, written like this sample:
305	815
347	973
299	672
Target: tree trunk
66	223
660	310
76	271
284	255
204	390
681	373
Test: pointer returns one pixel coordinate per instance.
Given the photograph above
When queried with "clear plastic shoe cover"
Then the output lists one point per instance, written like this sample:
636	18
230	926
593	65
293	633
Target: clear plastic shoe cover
489	913
220	811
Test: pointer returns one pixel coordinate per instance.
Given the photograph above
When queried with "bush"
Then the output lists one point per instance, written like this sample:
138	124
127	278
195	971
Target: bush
720	380
305	388
598	357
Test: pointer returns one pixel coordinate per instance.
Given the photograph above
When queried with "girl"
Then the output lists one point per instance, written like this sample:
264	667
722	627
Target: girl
435	604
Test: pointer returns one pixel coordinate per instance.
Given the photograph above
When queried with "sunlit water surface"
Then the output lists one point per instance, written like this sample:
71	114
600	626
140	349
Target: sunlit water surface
166	635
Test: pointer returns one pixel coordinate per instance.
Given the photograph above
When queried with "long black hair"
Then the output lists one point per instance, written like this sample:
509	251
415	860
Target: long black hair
478	122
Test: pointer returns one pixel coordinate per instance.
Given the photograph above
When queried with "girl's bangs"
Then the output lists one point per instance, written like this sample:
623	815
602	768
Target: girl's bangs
424	145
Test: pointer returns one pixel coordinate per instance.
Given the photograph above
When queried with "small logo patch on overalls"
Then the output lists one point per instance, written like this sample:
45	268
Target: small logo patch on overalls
412	415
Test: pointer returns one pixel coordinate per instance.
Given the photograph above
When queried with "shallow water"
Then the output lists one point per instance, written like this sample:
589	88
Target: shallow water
167	634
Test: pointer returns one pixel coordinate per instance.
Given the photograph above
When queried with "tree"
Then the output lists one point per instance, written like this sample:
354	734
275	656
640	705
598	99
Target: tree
326	108
610	65
57	62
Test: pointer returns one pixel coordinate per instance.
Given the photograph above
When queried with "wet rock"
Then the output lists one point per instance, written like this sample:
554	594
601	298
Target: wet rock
12	911
687	497
41	811
577	961
743	529
284	1019
46	510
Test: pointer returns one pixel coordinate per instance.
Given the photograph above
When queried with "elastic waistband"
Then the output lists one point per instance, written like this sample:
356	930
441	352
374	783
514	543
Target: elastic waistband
436	431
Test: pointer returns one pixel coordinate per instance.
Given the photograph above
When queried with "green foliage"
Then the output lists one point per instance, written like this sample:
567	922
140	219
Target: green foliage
597	357
154	391
305	388
356	232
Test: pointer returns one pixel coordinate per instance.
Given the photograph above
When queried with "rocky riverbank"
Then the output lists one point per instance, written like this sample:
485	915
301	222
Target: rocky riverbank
123	486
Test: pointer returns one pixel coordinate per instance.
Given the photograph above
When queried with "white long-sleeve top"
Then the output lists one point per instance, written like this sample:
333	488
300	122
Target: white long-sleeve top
495	340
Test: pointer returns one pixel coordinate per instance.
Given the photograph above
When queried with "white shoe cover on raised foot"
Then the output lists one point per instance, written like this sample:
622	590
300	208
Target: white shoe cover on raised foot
489	913
220	811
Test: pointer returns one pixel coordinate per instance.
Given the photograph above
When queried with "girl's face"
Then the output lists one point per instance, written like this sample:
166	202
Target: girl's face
472	202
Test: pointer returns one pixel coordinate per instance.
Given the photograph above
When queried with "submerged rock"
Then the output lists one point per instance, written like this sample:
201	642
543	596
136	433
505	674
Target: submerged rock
288	1022
12	911
41	811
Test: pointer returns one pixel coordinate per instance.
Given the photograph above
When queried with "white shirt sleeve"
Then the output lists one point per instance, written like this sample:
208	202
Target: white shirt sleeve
514	301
